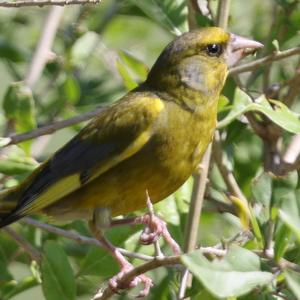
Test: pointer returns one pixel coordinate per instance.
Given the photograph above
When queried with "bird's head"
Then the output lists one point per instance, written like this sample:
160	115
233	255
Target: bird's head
199	61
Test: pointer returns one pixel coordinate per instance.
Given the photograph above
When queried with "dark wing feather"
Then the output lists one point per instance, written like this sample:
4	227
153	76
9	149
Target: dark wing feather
103	142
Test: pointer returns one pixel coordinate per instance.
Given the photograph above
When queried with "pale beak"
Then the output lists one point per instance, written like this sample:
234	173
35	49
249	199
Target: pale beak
239	47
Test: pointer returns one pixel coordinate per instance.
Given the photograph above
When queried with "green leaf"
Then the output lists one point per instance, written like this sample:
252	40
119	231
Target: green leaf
10	51
275	43
16	165
293	281
223	103
290	181
171	14
99	261
282	238
129	82
17	287
71	89
136	66
236	274
262	189
18	105
8	247
83	48
168	211
4	274
276	111
291	221
57	274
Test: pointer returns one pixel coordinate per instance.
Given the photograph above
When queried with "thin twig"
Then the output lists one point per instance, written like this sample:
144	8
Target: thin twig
185	278
152	262
269	247
284	168
192	21
192	226
285	264
28	248
269	59
293	150
18	138
80	238
294	88
150	208
227	175
191	232
200	181
41	54
41	3
202	6
128	277
241	238
223	13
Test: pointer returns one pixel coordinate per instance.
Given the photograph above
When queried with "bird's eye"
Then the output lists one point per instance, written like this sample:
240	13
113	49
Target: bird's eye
214	49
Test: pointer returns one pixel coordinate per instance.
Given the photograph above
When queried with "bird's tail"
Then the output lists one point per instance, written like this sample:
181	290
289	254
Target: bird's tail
8	203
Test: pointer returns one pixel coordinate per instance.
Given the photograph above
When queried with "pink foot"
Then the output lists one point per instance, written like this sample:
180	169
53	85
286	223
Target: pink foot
119	282
156	228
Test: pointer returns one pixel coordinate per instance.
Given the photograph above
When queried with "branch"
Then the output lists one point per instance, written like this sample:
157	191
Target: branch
294	88
290	160
223	13
293	150
284	168
151	265
240	238
18	138
41	3
81	239
200	181
192	226
28	248
192	19
152	262
41	54
285	264
128	277
269	59
227	175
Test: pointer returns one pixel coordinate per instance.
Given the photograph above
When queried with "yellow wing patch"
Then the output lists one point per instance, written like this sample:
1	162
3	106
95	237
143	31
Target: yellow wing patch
55	192
158	105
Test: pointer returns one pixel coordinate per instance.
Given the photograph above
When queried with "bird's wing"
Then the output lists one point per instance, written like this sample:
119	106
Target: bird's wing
115	135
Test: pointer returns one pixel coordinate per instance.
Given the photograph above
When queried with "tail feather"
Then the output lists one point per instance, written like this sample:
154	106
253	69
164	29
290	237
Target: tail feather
8	203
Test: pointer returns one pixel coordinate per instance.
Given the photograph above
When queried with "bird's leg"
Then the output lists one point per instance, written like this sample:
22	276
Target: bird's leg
125	266
155	227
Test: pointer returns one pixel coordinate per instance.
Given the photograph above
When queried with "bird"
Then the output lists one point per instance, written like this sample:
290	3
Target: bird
147	144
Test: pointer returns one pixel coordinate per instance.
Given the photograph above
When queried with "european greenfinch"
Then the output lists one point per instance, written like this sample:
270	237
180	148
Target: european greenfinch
150	141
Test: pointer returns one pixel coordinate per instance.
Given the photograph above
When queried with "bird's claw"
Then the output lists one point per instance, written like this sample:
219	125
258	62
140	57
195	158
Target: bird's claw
115	283
156	228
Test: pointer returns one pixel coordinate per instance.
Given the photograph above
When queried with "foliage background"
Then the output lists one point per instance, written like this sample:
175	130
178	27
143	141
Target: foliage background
100	52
